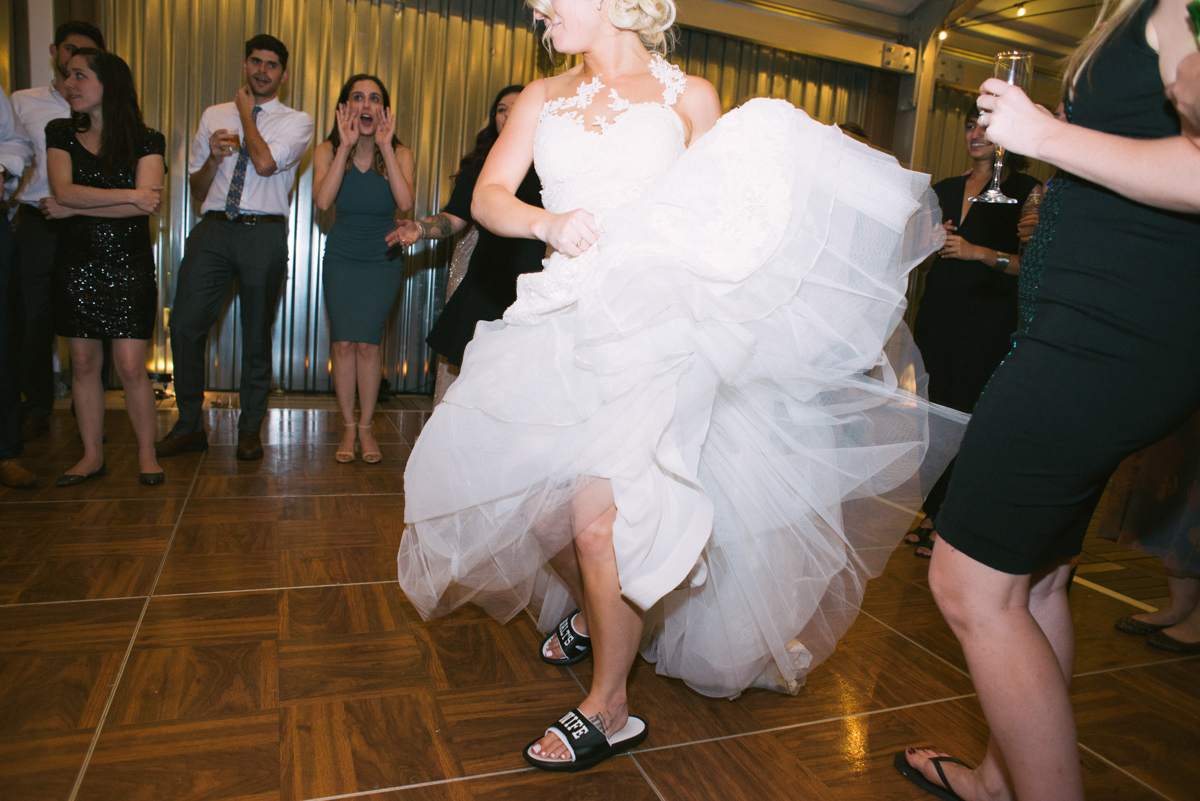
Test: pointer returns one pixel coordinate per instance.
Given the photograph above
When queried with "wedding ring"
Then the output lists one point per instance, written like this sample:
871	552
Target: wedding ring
579	244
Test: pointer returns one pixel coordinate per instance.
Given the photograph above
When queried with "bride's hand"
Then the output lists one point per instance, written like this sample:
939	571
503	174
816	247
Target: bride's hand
571	233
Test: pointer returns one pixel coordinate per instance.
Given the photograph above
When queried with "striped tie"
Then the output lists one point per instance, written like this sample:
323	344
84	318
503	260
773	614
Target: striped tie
233	200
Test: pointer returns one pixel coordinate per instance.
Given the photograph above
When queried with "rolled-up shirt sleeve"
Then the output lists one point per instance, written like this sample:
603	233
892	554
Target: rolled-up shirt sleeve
16	148
200	148
289	144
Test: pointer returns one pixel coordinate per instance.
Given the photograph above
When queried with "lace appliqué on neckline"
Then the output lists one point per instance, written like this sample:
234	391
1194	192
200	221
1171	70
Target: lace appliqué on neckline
672	78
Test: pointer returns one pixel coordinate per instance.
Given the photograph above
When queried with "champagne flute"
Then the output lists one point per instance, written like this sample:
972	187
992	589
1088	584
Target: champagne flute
1014	67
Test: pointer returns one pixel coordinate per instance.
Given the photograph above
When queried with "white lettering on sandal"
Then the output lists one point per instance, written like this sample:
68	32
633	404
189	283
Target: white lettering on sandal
574	725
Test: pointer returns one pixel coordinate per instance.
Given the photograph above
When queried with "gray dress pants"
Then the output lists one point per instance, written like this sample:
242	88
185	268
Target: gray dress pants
218	252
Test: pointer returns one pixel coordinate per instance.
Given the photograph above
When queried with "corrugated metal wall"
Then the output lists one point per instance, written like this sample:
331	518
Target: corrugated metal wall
442	60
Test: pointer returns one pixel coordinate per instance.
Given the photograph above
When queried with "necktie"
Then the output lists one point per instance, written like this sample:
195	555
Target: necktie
233	200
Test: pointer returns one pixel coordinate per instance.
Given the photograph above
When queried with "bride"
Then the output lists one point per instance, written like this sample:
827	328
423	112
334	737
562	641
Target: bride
701	426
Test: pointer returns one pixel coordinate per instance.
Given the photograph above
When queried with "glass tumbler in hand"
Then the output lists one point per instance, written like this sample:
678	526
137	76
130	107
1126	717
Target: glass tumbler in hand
1032	208
1014	67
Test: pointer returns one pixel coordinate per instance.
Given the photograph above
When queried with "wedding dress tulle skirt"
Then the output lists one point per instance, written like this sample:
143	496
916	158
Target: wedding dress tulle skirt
728	365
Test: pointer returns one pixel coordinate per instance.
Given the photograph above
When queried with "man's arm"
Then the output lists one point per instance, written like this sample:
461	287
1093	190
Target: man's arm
16	148
260	152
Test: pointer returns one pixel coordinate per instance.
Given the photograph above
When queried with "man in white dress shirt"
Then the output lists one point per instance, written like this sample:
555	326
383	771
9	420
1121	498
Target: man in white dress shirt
37	236
16	151
242	167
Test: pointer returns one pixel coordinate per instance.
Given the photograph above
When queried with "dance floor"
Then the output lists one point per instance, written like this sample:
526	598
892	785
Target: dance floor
237	633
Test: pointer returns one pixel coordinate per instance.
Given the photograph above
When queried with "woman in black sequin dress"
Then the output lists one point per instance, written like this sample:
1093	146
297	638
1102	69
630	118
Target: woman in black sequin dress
1106	362
106	173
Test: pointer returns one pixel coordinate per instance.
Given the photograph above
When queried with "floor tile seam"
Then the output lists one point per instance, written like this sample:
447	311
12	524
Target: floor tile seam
646	776
1120	769
927	650
244	590
807	723
1119	668
112	693
73	601
91	500
434	783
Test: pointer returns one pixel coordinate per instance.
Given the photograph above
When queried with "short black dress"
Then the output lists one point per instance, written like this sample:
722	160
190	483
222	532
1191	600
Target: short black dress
490	285
968	312
104	275
1107	359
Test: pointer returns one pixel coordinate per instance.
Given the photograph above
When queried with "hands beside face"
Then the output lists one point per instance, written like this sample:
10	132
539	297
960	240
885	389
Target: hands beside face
405	233
347	126
571	233
385	125
1012	120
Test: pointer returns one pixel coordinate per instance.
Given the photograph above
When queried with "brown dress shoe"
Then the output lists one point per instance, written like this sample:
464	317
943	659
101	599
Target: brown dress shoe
34	427
174	444
12	474
249	446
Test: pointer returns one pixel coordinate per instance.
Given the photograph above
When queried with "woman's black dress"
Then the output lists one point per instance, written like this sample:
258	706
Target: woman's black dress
968	312
104	275
1107	358
490	285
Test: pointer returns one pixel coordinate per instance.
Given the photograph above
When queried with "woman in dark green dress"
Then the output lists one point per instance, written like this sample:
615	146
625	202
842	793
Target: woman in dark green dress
363	170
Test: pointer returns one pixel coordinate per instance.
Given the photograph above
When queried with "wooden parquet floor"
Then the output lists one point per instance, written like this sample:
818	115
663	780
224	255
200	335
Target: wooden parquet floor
237	633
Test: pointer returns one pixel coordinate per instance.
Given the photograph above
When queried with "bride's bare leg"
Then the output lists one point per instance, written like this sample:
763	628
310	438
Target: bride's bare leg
616	630
552	531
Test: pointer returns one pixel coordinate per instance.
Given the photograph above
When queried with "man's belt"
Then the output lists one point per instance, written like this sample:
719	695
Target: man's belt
246	219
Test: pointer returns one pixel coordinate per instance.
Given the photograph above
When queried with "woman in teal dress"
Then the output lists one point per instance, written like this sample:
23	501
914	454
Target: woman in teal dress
362	169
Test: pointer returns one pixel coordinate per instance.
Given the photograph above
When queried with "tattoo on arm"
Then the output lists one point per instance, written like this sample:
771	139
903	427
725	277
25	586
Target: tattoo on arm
441	226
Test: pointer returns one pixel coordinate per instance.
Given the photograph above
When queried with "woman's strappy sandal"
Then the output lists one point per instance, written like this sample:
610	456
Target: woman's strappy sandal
346	457
375	456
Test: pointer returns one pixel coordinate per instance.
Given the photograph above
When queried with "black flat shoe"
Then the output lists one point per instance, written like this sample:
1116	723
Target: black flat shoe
74	479
151	479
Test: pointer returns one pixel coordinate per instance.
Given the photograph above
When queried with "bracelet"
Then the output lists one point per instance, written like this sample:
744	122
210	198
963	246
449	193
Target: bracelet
424	231
1002	261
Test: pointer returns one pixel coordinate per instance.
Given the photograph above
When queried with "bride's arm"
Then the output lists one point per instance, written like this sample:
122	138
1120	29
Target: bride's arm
495	205
700	108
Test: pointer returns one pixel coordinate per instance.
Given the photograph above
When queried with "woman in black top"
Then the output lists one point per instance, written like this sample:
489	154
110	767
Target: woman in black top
968	312
1106	362
106	173
490	284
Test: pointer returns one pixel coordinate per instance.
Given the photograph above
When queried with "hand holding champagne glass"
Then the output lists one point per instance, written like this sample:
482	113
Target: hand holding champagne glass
1014	67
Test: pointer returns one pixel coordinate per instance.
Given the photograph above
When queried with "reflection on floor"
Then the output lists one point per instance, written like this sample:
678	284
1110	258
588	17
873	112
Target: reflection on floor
237	633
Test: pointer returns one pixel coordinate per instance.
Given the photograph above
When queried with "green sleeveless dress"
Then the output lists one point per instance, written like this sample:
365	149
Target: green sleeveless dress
361	276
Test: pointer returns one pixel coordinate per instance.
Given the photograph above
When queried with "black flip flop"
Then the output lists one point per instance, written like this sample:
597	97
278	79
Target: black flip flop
918	778
587	745
927	542
575	646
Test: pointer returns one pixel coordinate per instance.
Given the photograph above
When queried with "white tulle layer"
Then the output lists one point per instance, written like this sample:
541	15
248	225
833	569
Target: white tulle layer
734	365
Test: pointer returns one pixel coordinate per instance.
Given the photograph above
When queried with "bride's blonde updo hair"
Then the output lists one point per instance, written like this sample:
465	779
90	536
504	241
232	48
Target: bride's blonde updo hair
651	20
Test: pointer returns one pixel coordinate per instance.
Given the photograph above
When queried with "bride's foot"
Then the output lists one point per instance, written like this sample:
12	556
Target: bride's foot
964	781
606	718
345	451
552	649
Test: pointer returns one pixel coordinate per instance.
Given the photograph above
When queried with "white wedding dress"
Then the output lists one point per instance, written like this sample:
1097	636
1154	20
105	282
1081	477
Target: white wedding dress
729	356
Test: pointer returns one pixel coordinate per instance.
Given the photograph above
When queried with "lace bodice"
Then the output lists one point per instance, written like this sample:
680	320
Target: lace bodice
596	150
